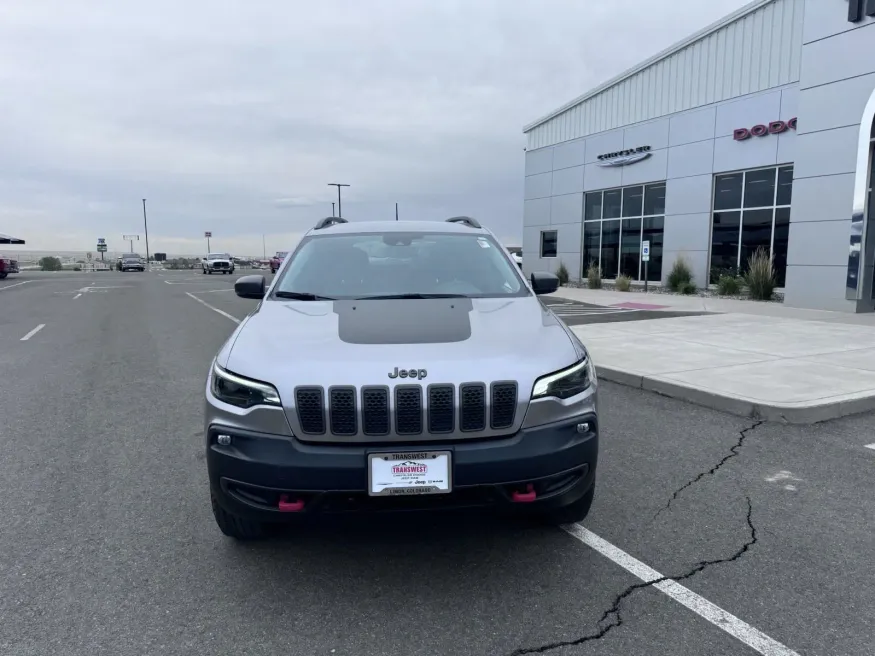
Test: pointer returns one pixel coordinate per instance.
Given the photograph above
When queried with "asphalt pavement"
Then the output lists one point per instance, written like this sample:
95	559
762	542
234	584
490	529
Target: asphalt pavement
709	534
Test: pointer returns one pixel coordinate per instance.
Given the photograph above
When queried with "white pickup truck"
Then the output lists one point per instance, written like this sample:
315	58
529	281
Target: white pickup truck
217	262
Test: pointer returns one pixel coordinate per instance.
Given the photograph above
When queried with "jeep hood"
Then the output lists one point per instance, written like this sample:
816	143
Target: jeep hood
360	342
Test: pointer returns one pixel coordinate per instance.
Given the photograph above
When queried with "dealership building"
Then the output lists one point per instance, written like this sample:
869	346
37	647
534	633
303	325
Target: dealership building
754	133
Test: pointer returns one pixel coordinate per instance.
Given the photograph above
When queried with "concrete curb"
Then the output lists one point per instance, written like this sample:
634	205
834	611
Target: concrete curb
808	413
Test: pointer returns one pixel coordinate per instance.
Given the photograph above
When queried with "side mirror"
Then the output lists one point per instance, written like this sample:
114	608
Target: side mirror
250	287
544	283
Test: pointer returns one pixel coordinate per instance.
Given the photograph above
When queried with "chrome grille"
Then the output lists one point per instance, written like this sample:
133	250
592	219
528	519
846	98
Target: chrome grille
411	410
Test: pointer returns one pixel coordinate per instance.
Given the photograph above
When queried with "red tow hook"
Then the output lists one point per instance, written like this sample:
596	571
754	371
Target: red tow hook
525	497
290	506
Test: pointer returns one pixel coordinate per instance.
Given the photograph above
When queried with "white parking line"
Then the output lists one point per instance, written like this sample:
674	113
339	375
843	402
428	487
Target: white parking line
15	284
753	638
214	309
33	332
77	296
871	446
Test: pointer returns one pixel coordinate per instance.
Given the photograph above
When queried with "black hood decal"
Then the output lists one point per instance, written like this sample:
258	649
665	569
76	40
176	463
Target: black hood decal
404	321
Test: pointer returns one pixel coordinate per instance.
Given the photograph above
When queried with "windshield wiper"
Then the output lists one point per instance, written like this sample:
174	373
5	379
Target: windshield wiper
392	296
303	296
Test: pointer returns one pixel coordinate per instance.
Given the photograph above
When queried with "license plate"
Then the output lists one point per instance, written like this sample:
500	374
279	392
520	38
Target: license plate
414	472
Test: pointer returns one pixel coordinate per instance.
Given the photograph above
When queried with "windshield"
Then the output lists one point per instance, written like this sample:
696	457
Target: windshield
395	263
130	256
219	256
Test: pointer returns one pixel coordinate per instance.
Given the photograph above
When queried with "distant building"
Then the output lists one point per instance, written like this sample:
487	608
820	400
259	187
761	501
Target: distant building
753	133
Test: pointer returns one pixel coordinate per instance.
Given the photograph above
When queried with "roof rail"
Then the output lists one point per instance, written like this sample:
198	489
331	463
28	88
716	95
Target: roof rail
467	220
329	221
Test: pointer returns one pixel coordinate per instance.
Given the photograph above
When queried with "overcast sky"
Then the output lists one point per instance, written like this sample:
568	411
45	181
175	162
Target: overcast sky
232	116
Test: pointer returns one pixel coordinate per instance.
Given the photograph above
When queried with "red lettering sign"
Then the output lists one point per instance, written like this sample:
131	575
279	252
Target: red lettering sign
775	127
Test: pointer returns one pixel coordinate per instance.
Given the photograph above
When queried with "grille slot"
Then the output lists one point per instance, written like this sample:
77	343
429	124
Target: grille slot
503	405
342	410
441	409
311	412
408	410
375	410
472	401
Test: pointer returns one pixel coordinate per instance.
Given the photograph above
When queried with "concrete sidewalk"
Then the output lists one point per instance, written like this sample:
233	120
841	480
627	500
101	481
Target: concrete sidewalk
774	368
676	303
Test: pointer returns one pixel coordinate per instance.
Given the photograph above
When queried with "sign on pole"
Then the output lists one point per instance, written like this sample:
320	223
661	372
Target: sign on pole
645	251
208	235
101	240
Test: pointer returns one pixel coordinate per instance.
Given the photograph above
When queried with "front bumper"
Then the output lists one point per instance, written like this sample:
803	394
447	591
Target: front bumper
249	476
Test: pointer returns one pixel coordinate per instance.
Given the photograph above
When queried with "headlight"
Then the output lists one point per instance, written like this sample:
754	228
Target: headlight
566	383
241	392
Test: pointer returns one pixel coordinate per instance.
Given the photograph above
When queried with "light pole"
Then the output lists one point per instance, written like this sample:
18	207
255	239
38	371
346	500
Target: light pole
146	228
332	210
339	206
396	211
263	247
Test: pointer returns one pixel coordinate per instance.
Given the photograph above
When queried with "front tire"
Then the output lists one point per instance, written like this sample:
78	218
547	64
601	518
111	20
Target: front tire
234	526
573	512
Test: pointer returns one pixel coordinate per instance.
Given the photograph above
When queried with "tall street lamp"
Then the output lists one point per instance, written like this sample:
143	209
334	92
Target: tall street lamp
339	206
146	228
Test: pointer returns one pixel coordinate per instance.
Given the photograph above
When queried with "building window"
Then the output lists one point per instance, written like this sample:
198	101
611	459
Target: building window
751	211
615	222
548	243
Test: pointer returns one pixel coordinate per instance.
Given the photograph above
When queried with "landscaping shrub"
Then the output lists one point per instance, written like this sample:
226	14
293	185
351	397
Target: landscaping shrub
687	288
594	276
760	276
562	274
623	283
50	263
718	272
728	285
680	274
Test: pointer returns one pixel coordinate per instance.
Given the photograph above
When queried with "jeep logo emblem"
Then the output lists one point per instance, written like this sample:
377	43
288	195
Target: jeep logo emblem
408	373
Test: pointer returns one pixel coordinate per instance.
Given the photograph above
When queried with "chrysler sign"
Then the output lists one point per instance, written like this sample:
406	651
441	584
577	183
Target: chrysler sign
775	127
624	157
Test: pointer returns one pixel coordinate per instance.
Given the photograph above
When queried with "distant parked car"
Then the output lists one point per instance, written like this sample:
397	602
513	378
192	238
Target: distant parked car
7	266
217	262
132	262
277	260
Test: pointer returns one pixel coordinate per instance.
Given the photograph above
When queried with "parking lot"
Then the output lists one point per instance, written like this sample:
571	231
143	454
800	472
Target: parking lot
710	534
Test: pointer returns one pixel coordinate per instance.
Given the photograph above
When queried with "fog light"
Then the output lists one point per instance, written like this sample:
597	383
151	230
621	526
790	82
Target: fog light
224	440
583	428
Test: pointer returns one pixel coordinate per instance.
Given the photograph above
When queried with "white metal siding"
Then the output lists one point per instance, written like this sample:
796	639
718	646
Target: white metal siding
760	50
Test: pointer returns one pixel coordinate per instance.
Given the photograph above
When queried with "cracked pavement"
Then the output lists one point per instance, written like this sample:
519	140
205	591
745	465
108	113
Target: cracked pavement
107	545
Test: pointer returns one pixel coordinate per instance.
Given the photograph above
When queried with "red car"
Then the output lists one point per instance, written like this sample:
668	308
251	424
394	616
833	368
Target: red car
7	266
277	260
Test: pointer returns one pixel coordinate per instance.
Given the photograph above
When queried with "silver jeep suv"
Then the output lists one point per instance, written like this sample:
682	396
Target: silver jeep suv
394	366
